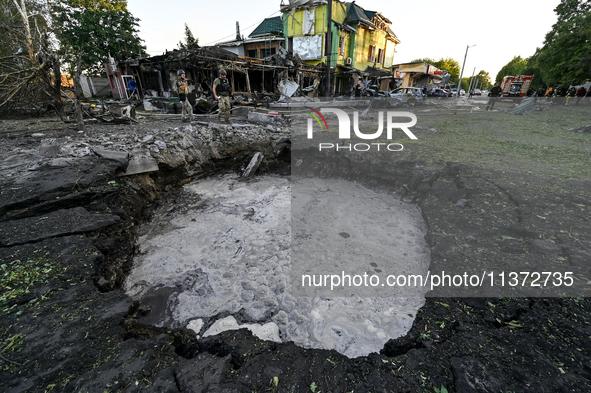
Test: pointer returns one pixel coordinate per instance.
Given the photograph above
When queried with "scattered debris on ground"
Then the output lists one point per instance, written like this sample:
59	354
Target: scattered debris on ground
71	202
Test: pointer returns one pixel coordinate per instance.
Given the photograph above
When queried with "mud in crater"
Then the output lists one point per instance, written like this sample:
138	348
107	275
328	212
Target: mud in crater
218	258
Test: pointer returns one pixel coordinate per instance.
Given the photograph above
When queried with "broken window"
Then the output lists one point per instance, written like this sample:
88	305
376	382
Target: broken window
380	56
372	53
309	48
342	45
309	21
266	52
252	53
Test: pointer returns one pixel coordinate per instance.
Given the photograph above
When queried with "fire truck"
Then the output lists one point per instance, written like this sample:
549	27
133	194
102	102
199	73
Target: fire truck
515	86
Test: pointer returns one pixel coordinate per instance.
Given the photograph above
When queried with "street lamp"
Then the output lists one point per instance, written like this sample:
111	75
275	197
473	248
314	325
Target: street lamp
462	72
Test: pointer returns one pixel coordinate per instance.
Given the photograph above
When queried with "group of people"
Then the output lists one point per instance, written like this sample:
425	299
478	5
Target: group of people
570	93
221	92
549	93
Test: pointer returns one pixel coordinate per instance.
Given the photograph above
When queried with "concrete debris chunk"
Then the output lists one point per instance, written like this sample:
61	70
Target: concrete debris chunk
124	112
49	151
120	156
264	118
196	325
525	108
268	331
253	165
462	203
147	138
140	165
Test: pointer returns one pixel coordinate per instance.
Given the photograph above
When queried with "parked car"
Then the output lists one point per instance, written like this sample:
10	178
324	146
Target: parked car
408	95
374	93
454	91
438	93
476	92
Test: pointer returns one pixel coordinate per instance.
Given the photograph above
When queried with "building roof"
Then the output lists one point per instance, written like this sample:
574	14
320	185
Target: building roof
269	26
356	15
370	14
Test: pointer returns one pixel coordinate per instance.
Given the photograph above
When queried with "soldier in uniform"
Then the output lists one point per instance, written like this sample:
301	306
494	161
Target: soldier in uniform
221	92
570	93
493	96
581	93
182	85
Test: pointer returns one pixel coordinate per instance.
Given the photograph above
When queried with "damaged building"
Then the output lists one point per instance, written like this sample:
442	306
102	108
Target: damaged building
419	74
317	47
253	80
355	42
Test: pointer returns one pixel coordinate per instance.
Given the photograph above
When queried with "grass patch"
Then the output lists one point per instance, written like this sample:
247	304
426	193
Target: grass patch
541	143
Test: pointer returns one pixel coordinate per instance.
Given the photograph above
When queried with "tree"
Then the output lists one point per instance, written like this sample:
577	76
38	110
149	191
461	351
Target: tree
26	57
93	29
451	65
190	40
565	57
483	79
516	66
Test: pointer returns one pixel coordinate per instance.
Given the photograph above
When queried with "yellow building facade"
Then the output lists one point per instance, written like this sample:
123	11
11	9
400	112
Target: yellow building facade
361	43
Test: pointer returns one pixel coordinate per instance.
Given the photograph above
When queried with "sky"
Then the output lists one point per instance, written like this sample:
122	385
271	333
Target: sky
500	29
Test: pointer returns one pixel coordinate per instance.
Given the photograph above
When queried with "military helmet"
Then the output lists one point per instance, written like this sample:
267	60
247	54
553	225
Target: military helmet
222	72
180	72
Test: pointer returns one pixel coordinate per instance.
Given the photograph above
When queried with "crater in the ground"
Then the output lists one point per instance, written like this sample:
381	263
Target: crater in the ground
221	256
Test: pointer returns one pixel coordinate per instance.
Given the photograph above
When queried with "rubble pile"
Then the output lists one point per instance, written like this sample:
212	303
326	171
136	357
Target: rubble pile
146	145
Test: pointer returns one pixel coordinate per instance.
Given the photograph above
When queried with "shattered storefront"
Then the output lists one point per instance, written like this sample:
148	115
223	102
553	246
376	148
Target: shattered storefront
417	74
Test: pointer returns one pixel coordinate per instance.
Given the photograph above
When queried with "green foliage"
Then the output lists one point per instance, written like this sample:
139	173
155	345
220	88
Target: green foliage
452	66
533	69
565	57
190	40
516	66
94	29
466	83
18	276
484	81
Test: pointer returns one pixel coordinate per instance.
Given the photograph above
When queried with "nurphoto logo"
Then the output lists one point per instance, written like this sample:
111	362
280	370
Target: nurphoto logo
345	129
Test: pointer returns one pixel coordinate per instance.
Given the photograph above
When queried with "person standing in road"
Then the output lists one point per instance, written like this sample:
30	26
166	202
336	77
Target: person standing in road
132	86
493	96
358	89
222	91
182	85
570	93
581	93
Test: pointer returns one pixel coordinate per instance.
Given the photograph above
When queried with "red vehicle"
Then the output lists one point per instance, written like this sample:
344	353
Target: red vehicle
515	86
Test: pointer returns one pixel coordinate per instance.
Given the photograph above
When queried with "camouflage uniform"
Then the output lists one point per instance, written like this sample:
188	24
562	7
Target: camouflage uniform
183	90
223	90
493	97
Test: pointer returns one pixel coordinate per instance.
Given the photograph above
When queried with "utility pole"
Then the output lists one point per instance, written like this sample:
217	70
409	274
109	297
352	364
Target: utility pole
462	72
471	81
328	48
